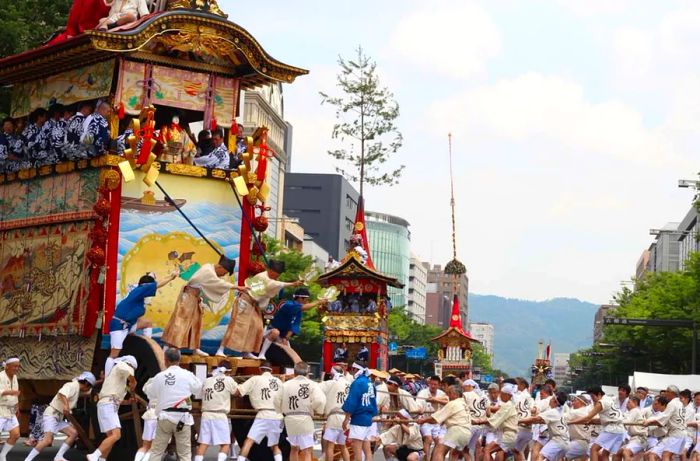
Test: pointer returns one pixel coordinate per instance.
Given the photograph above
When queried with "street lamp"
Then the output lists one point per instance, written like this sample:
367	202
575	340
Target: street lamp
687	183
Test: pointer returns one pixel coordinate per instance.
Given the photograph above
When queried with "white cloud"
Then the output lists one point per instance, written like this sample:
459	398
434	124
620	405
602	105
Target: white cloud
453	38
633	49
595	7
551	109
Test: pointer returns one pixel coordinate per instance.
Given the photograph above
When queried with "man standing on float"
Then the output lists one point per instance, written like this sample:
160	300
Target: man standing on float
245	329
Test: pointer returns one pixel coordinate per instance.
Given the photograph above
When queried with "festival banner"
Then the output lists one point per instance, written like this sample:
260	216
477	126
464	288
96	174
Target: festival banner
131	86
179	88
48	200
225	100
84	83
44	279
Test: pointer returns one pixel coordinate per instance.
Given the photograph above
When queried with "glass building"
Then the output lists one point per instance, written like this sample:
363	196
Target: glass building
390	247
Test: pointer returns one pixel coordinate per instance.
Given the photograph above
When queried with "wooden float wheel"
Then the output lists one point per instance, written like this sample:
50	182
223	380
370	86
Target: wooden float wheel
150	359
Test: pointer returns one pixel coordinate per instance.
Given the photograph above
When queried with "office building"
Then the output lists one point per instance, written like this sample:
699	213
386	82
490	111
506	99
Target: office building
390	243
439	297
484	333
325	205
561	367
417	284
603	311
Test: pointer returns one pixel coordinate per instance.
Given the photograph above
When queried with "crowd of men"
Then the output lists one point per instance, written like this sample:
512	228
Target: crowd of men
82	130
369	410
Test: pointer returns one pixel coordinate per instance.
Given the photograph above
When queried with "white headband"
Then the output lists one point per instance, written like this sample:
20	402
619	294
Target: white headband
129	359
336	375
9	361
219	371
360	370
509	388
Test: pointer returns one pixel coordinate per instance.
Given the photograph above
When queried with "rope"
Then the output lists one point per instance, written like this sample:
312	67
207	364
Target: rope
189	221
452	200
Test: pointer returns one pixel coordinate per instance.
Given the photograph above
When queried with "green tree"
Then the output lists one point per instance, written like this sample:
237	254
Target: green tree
24	25
624	349
366	114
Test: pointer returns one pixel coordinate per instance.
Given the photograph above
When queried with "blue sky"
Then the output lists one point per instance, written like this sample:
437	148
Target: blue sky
572	122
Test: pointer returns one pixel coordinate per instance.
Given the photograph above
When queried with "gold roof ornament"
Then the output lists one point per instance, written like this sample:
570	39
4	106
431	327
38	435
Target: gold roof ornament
207	6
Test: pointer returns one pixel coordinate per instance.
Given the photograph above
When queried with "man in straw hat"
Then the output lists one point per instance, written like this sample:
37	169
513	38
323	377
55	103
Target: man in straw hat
215	427
245	329
114	388
262	391
9	398
206	287
62	404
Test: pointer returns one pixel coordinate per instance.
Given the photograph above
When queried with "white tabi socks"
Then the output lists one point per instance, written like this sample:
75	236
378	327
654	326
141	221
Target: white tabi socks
61	451
266	345
5	450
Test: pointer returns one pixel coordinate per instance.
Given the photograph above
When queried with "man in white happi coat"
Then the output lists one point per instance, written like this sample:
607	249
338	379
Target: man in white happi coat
173	389
336	391
262	390
53	419
455	417
523	404
477	403
540	435
503	420
612	436
114	389
638	434
579	434
150	424
431	399
557	428
403	440
215	428
9	398
299	400
673	419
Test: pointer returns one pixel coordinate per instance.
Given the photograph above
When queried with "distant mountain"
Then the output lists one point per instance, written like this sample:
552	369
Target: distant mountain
519	324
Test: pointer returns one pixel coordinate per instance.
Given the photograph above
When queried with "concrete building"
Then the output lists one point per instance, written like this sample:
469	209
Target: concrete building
417	284
316	251
390	248
292	233
265	107
439	297
561	367
664	251
688	237
325	205
642	264
484	333
603	311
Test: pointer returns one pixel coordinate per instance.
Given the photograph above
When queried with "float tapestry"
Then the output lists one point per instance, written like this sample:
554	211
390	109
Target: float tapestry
89	82
179	88
154	237
44	279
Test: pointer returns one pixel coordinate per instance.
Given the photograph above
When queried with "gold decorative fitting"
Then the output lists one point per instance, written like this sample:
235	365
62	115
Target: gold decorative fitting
186	170
45	170
110	179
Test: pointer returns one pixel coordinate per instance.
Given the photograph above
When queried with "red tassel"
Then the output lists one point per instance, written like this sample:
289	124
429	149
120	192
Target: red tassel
213	124
234	128
121	111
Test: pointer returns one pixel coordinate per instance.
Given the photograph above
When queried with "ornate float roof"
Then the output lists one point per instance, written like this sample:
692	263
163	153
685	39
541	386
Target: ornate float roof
352	268
455	329
191	40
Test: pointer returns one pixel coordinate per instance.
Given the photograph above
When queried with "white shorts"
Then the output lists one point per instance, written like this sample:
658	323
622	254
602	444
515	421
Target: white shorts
635	446
652	442
215	432
149	429
361	432
522	440
688	443
609	441
374	430
336	436
108	417
657	449
675	445
301	441
457	437
476	435
578	449
270	428
7	424
53	425
431	430
491	437
116	339
553	451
